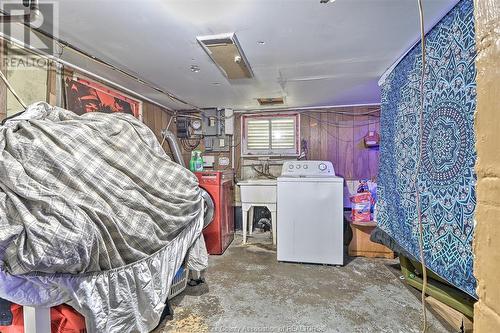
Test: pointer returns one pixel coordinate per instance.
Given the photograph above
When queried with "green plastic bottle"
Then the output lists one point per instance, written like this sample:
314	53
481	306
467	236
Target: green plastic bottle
192	161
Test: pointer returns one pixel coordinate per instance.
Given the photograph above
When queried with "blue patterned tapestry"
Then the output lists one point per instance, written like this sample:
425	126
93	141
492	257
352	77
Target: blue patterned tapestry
447	179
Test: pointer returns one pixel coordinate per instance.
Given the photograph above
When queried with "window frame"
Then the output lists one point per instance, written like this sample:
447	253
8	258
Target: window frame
245	152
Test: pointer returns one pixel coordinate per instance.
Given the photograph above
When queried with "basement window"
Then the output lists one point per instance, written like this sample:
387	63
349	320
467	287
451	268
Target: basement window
270	135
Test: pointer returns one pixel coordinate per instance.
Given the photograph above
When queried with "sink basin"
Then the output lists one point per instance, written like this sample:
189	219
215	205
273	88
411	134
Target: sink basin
258	181
257	191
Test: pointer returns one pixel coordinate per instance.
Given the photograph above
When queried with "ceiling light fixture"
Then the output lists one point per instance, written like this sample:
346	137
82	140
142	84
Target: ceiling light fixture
194	68
261	42
326	1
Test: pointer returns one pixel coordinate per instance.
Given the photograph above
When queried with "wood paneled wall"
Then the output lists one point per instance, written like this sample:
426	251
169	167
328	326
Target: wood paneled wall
157	119
337	136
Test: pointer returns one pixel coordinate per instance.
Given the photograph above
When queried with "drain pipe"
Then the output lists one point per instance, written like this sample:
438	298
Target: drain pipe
60	94
174	146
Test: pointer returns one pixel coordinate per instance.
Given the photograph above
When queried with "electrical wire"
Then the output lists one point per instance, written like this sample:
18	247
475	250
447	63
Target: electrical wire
340	125
162	141
114	68
189	116
58	59
170	121
346	113
419	162
336	137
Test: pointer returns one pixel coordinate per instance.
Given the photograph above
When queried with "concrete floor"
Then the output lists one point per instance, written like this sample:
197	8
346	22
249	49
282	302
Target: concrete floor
247	290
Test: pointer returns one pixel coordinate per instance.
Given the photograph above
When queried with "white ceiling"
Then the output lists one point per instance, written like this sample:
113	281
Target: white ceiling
314	54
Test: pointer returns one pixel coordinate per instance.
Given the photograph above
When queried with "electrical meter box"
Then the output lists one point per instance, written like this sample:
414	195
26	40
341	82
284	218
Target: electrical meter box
213	122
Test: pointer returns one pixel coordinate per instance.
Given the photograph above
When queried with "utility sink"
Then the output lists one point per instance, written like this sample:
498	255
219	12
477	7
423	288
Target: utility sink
258	190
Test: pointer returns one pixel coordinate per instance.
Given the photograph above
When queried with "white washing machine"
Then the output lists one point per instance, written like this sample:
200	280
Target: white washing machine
310	226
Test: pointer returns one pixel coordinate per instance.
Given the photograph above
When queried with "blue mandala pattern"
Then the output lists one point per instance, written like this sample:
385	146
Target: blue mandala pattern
446	180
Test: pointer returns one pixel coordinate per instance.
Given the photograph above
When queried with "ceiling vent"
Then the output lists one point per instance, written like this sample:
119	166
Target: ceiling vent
270	101
227	54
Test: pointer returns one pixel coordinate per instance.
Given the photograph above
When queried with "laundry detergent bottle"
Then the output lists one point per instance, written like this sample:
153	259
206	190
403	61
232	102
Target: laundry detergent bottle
198	165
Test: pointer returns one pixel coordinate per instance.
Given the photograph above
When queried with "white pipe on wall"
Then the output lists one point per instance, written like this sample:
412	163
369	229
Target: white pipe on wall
306	108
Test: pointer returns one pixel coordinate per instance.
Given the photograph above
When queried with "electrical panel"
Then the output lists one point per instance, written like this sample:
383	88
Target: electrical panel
217	143
182	127
215	126
218	125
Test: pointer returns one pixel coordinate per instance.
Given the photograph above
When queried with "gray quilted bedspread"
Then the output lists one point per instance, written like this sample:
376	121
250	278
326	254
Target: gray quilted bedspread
87	193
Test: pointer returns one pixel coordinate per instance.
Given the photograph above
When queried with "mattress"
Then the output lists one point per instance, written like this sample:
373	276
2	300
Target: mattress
93	213
126	299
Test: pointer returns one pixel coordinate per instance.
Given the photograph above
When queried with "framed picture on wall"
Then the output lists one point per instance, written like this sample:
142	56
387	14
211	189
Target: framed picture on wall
84	96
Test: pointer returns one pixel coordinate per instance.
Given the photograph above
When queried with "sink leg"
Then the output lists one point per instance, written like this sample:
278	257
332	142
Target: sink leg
245	224
273	223
250	220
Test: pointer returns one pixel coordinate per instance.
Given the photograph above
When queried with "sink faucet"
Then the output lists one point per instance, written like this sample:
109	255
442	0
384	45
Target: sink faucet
265	166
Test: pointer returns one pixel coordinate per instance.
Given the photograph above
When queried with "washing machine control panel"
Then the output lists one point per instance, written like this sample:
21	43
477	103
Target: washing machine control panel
307	169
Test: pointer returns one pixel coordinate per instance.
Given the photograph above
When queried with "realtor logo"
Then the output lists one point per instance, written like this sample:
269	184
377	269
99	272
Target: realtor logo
27	18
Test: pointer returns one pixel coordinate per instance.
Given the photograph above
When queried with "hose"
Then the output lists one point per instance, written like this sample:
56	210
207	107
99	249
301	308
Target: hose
419	164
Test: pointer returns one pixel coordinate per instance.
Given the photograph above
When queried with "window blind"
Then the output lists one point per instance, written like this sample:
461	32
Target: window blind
258	131
283	133
271	135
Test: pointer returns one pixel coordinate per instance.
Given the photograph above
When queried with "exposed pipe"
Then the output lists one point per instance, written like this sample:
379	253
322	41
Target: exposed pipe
301	109
85	72
60	94
35	12
11	89
174	146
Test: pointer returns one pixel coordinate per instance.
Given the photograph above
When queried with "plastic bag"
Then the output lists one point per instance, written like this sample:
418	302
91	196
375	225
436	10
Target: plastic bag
361	207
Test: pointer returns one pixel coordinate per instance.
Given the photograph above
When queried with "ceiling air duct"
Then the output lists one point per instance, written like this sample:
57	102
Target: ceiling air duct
226	53
270	101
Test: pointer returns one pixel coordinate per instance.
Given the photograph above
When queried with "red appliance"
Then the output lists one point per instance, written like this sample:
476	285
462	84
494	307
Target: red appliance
220	233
